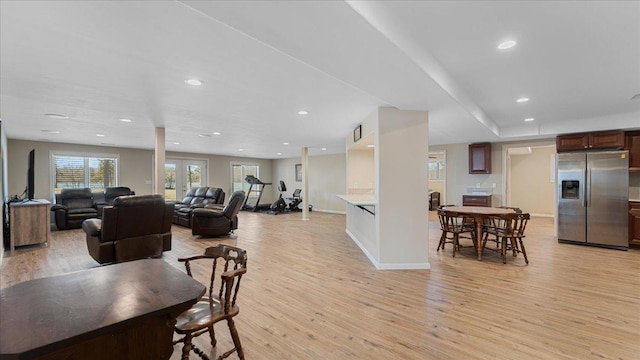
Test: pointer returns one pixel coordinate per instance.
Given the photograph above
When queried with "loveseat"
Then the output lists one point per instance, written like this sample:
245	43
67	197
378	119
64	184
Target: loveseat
73	206
196	197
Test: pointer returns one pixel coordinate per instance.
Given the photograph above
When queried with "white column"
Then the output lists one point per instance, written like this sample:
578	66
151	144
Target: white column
305	184
401	154
158	187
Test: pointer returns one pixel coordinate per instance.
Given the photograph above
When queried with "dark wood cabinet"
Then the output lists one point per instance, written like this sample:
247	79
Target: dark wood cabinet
476	200
632	143
595	140
480	158
634	223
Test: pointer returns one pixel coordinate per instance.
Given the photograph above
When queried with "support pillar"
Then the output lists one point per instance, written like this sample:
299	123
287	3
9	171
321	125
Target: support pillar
158	187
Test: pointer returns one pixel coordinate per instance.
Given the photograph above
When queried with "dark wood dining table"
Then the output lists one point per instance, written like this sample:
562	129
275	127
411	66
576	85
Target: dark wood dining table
121	311
479	214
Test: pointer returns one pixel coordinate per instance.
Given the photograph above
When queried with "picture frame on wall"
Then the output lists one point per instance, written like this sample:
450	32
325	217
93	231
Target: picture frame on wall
298	172
357	133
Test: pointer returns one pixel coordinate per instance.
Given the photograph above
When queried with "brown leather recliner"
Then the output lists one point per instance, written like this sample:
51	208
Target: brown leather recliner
213	221
135	227
72	207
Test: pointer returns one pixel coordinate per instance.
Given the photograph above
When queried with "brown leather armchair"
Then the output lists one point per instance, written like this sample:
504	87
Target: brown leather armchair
214	221
72	207
135	227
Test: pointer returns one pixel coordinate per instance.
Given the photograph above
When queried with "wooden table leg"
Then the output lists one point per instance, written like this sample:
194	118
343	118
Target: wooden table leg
478	221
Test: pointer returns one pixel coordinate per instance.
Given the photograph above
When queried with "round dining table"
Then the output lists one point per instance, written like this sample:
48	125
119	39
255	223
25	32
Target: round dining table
479	214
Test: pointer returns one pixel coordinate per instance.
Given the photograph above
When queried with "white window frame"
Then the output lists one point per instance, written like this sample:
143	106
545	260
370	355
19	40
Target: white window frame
255	190
86	156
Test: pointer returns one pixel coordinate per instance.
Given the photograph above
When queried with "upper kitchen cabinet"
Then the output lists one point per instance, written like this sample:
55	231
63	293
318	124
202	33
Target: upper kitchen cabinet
594	140
633	145
480	158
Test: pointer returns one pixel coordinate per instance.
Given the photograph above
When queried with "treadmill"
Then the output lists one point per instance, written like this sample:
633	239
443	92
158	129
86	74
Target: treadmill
252	180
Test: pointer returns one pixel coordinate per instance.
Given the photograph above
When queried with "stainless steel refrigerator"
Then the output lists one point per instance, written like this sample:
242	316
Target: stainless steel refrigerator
593	198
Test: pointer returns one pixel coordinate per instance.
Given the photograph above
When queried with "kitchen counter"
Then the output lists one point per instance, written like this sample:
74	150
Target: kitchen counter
359	199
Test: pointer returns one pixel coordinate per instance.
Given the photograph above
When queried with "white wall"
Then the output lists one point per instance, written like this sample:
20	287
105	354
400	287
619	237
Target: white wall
327	177
532	187
361	171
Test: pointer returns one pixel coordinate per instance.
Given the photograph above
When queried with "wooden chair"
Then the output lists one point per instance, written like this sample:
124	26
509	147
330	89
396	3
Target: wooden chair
214	307
509	234
495	224
453	225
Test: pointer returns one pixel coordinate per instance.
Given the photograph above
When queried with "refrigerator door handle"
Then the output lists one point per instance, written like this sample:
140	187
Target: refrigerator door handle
588	188
584	188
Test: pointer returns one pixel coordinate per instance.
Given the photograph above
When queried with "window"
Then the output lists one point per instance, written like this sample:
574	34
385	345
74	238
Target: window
96	172
239	172
436	169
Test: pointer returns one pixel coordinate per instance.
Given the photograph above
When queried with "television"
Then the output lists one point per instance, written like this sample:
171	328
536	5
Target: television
30	176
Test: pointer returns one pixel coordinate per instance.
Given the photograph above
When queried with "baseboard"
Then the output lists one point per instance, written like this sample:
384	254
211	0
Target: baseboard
364	249
397	266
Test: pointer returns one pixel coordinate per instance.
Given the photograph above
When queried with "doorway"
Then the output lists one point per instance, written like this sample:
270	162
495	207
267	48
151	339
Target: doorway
530	178
438	174
181	175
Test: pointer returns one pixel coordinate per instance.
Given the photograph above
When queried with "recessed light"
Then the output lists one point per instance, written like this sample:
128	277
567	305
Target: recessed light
371	145
522	99
176	143
100	135
278	154
507	45
125	120
194	82
303	112
324	149
216	133
285	143
51	131
529	119
57	116
204	135
240	149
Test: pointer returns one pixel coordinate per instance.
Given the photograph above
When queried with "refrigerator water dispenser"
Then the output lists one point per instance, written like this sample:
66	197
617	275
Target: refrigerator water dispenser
570	189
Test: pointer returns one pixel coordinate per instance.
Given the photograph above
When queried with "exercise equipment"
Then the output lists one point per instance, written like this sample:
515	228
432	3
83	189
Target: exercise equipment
252	180
279	206
296	200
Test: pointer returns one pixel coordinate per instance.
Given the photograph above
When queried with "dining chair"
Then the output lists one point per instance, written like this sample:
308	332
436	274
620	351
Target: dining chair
214	307
453	225
508	231
495	224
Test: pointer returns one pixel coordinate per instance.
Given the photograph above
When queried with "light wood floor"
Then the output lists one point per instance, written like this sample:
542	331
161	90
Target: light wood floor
310	293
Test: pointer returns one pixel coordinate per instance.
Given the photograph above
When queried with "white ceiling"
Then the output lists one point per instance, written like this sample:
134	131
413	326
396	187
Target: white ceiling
262	62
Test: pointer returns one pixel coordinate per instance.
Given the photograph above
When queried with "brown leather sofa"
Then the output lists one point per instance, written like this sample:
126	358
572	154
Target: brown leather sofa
135	227
196	197
73	206
212	220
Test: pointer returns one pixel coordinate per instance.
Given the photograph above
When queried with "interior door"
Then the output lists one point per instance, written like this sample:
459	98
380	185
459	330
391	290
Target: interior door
181	175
